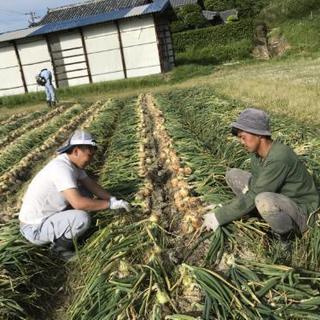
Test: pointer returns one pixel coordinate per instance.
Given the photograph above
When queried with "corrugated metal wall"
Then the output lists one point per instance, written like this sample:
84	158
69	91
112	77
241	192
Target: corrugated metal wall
140	48
103	50
34	56
68	58
10	75
20	62
117	50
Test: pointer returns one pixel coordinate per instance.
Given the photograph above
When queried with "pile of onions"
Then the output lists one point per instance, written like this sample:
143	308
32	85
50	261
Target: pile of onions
190	207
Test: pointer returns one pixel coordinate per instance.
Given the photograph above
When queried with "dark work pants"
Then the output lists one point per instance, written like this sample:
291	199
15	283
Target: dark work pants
279	211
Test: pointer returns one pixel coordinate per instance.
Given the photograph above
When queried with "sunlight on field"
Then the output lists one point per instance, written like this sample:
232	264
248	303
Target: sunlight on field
287	87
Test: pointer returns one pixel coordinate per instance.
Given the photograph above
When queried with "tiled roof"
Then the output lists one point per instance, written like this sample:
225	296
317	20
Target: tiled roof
210	15
154	7
180	3
89	8
225	14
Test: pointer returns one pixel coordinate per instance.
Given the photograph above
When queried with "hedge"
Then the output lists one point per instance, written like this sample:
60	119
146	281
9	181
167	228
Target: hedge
215	35
238	50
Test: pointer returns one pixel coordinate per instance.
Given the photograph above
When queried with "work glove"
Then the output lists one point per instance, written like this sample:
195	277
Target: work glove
210	221
118	204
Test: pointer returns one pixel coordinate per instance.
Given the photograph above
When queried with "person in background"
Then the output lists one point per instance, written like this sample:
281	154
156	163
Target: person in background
57	201
44	78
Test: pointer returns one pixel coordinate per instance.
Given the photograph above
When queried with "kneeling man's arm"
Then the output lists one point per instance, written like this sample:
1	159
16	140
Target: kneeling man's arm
270	180
79	202
92	186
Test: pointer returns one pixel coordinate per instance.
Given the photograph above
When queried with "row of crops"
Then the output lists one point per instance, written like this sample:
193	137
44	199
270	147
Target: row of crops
167	155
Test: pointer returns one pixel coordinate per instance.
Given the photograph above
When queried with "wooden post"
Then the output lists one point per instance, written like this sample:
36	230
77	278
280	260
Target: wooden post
52	61
20	67
85	55
159	45
121	51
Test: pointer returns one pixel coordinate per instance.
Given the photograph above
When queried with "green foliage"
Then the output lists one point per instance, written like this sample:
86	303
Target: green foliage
279	11
189	71
212	45
189	17
218	5
303	34
232	18
30	276
213	36
238	50
177	26
76	91
24	144
250	8
247	8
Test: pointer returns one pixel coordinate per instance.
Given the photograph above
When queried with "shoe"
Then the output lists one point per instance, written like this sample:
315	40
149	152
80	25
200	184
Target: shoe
67	256
64	248
62	253
49	104
283	243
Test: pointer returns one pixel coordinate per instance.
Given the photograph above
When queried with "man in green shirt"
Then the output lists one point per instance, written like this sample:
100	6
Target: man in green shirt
279	185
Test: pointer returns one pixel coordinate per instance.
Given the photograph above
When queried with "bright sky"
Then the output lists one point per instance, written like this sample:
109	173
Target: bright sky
12	12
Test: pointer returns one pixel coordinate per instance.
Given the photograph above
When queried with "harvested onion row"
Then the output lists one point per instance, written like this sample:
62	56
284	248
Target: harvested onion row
33	124
97	108
157	197
143	196
30	276
20	122
191	207
14	177
12	118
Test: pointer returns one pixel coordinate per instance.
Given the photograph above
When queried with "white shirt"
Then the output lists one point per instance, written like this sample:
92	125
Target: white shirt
44	195
46	74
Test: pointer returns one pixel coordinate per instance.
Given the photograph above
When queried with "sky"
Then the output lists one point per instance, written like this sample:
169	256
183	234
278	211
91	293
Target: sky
12	12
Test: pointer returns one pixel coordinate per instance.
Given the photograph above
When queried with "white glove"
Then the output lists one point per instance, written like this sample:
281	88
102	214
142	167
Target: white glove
118	204
210	221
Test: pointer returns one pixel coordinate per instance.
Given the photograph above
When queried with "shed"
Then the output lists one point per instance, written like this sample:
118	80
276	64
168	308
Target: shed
87	43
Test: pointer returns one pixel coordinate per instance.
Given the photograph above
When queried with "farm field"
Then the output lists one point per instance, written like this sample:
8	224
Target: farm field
289	86
166	152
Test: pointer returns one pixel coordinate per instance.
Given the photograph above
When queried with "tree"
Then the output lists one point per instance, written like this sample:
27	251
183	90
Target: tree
189	17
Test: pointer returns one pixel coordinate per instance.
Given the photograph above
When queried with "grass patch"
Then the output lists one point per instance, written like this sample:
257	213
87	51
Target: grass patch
127	86
280	11
303	35
289	87
189	71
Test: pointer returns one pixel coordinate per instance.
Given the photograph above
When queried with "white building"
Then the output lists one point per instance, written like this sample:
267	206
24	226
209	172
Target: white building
89	42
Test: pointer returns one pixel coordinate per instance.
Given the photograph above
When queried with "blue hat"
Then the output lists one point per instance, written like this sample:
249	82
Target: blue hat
254	121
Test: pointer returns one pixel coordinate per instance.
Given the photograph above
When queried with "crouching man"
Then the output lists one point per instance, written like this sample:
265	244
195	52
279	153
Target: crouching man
56	204
278	186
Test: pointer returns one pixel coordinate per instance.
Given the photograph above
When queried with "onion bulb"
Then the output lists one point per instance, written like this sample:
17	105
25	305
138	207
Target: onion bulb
183	192
162	297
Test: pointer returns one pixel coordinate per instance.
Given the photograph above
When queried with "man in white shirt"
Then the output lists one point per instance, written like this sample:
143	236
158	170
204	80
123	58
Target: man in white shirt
44	215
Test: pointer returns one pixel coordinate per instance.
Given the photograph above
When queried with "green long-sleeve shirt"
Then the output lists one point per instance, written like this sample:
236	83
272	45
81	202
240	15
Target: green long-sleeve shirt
280	172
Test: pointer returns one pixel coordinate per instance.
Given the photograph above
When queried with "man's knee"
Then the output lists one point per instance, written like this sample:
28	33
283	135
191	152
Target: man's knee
81	222
231	175
238	180
265	203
